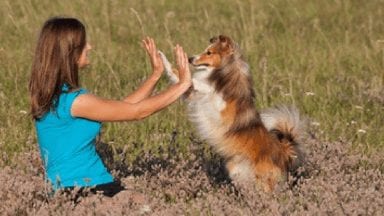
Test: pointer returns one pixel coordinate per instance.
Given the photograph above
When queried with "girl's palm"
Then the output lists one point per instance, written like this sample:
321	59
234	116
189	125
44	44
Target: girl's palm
156	62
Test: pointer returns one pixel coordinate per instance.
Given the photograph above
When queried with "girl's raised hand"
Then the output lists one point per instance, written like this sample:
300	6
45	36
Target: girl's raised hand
156	62
183	66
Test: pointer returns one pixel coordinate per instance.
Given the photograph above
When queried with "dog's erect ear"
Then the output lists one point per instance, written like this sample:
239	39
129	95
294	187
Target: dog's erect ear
225	41
213	40
222	38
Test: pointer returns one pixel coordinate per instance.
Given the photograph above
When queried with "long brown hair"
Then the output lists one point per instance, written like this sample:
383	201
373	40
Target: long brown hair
59	47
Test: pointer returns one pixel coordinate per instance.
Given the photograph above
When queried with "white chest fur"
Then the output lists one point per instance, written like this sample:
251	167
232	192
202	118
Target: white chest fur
205	108
204	105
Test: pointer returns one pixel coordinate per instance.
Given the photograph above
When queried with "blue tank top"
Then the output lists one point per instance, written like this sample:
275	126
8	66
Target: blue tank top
67	146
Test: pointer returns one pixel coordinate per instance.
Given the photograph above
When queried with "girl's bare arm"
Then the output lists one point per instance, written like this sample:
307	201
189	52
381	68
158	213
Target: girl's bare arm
95	108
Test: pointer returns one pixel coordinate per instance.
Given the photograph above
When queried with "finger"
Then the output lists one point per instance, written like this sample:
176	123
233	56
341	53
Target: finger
186	62
154	49
150	43
176	55
146	40
180	51
182	57
151	48
179	56
145	44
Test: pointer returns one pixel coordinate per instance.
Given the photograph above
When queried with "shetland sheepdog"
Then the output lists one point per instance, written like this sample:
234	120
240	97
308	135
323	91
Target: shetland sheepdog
258	147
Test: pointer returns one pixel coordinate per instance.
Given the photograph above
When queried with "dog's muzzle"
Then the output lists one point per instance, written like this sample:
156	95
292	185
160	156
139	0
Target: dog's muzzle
190	59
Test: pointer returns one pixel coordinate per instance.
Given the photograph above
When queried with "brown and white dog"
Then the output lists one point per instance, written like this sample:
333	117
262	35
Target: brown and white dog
258	147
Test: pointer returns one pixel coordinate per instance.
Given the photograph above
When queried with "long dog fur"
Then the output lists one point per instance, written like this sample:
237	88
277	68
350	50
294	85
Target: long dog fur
258	147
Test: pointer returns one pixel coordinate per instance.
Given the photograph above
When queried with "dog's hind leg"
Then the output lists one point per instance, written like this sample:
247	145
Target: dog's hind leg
240	170
267	175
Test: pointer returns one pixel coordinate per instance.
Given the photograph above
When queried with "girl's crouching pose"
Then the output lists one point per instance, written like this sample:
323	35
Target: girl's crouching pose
68	118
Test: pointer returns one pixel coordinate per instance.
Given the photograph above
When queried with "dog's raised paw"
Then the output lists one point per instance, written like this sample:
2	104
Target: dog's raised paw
168	68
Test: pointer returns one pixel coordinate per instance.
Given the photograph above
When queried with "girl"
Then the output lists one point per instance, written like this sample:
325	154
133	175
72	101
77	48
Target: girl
68	118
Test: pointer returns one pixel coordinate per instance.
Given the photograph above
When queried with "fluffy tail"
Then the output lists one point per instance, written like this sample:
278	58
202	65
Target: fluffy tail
285	123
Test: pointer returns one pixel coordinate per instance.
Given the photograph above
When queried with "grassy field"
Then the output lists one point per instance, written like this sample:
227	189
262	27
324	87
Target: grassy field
326	57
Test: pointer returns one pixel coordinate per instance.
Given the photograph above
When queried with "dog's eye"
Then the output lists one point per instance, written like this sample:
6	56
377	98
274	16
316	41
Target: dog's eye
209	52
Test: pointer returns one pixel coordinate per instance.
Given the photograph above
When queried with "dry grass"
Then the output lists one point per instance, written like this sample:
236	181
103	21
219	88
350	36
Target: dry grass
335	182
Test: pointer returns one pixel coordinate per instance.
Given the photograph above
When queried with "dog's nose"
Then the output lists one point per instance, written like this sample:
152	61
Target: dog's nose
190	60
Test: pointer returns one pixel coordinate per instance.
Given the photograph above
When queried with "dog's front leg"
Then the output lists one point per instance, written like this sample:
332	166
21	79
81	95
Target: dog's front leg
173	74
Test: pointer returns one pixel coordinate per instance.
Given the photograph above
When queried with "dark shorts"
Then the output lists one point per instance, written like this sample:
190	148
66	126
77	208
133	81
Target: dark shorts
108	189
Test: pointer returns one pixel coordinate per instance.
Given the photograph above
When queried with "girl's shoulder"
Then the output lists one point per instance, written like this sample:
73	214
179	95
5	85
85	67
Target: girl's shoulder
66	99
65	89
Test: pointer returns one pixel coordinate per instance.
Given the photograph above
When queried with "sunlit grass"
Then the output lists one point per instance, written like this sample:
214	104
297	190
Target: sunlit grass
326	57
